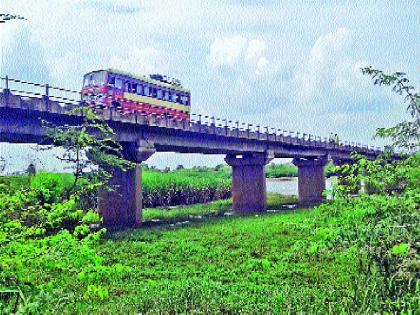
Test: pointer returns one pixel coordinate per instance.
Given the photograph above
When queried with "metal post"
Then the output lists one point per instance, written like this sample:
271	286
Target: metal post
6	92
46	97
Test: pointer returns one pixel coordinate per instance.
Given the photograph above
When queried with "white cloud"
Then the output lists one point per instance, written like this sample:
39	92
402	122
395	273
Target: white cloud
226	51
325	57
141	61
255	50
261	65
245	55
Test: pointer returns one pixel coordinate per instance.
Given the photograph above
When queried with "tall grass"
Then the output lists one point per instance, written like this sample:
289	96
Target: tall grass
183	187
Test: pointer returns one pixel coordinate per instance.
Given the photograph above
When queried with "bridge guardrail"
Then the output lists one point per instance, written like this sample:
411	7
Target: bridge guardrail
198	122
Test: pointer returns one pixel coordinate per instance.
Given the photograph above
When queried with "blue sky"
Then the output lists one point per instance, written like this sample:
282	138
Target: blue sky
292	65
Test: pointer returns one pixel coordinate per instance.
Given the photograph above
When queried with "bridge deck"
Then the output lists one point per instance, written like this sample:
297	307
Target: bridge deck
20	122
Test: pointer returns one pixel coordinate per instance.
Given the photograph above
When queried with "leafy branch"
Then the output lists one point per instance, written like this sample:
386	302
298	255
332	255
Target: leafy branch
406	134
90	149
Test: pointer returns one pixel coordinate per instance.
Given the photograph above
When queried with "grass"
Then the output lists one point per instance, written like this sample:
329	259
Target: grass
183	187
216	208
265	263
253	264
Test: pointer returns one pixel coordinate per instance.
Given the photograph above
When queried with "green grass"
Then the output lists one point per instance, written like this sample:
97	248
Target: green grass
265	263
183	187
253	264
182	213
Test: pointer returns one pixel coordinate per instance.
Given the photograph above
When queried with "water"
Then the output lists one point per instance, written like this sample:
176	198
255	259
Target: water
288	185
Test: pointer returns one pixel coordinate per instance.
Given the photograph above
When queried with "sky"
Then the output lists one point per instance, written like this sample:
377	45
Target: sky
293	65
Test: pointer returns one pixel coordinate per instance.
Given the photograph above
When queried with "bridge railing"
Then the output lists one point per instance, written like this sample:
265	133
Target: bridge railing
198	122
30	89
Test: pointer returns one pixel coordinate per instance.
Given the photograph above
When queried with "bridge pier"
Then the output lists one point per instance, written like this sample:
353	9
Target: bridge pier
249	183
123	205
311	180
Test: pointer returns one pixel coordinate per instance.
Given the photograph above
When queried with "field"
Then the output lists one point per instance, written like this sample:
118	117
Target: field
352	255
184	187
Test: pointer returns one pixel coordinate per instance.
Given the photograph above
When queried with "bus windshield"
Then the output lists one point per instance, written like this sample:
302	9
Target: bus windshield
95	78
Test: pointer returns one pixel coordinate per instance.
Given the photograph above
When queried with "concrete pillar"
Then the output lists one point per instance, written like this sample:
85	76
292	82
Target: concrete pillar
122	206
311	180
249	186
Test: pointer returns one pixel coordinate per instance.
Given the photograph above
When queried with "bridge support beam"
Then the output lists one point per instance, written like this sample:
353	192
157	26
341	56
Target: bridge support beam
249	186
122	207
311	180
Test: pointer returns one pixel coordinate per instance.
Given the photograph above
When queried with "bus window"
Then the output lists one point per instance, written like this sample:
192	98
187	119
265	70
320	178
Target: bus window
111	80
118	83
98	78
139	89
187	100
159	94
133	88
86	80
154	91
146	90
166	95
174	98
127	87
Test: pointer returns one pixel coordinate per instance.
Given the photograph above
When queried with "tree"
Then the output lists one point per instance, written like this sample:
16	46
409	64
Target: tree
90	149
31	170
2	164
406	134
179	167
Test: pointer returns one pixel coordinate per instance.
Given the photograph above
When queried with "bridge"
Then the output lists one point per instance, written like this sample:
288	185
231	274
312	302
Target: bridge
247	148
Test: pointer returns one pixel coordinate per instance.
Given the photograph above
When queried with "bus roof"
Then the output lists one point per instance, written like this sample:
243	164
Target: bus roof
143	78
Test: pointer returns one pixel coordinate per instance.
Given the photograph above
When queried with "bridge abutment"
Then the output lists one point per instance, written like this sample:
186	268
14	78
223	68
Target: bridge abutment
123	205
311	180
249	183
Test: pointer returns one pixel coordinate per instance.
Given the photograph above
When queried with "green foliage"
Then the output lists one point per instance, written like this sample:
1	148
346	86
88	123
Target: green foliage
49	225
406	134
90	150
280	170
41	236
289	170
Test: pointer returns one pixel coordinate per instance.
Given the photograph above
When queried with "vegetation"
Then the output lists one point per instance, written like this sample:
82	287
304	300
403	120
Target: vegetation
213	209
351	255
406	134
184	187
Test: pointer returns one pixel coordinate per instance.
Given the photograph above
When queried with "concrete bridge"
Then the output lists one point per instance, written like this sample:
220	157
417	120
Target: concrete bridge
247	148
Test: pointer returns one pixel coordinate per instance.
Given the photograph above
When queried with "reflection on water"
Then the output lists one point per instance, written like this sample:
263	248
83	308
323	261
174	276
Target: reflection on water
288	185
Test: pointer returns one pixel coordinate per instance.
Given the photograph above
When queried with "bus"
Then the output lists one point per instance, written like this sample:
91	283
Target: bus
127	93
